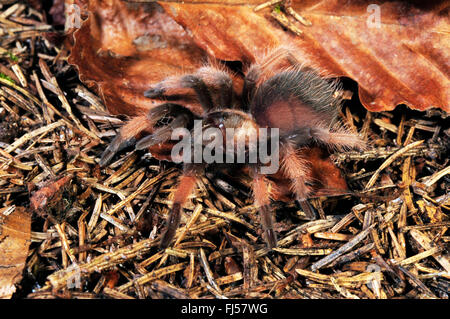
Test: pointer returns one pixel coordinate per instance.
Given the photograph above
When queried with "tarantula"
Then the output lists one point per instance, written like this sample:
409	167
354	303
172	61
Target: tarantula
277	93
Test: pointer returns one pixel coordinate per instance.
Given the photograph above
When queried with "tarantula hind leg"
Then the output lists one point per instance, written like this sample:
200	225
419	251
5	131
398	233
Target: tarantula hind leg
262	201
339	138
186	184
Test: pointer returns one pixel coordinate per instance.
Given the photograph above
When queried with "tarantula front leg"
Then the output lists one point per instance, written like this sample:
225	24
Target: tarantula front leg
190	81
164	133
220	83
202	82
186	185
261	197
137	126
126	137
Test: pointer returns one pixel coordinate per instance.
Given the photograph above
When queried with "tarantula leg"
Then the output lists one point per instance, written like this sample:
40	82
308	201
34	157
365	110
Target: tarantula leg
308	209
164	133
268	66
159	136
262	201
200	88
340	138
190	81
277	59
226	93
297	170
219	81
186	185
159	112
125	137
117	144
249	86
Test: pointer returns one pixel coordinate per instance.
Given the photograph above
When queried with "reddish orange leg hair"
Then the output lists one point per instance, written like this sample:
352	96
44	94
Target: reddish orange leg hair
201	82
297	170
342	139
338	138
145	123
186	185
126	137
262	201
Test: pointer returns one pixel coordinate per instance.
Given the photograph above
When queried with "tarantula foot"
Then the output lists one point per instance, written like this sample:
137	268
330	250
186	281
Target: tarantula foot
307	208
117	144
172	224
270	238
164	133
267	226
147	142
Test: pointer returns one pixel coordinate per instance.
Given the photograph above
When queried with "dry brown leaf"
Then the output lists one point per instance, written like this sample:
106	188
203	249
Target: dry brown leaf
123	47
403	59
49	195
15	237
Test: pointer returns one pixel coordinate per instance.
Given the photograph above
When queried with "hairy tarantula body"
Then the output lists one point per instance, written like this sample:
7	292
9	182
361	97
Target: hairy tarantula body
277	94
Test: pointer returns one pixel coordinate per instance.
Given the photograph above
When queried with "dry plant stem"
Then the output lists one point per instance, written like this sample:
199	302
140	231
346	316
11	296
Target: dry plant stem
158	273
284	21
342	250
29	136
344	281
266	4
23	91
416	282
374	154
64	242
208	272
113	293
60	278
425	242
304	251
352	255
389	161
297	16
414	259
437	176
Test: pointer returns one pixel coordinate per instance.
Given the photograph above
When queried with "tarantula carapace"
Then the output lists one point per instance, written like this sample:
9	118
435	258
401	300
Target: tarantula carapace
277	94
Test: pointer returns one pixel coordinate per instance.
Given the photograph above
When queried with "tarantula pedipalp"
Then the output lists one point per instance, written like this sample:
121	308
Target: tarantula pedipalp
277	94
